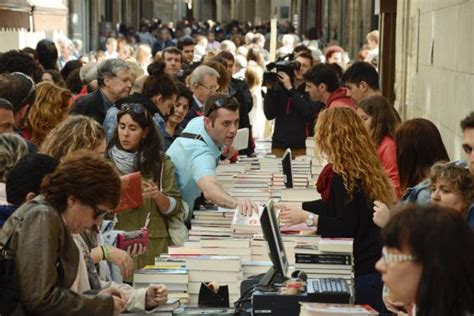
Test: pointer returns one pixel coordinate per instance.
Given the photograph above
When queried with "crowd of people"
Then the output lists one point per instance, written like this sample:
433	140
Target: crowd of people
167	102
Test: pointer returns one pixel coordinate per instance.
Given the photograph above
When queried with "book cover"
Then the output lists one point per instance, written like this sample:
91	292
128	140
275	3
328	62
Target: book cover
130	192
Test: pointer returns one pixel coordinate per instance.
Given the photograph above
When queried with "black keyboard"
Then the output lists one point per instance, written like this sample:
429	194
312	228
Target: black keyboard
329	290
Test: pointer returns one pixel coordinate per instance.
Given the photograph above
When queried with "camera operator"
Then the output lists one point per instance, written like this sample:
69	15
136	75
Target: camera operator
287	102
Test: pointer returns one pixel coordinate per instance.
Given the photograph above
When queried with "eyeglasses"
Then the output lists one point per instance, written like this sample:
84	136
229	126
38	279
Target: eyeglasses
210	89
392	258
467	149
220	102
33	86
98	213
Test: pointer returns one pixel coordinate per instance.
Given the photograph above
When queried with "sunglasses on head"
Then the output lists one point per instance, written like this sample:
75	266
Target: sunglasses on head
134	108
220	102
33	86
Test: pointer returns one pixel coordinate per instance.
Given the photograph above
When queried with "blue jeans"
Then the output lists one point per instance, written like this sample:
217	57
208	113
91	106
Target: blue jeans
368	290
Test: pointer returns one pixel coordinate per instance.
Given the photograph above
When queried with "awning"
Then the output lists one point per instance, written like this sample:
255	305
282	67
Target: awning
15	14
48	18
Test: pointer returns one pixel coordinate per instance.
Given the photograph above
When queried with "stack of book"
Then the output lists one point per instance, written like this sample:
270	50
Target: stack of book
299	195
250	268
225	270
319	309
270	163
310	147
252	185
176	280
301	169
252	161
325	261
216	247
259	249
212	222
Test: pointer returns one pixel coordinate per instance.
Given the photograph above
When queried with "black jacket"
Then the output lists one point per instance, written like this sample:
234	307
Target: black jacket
352	219
194	111
294	115
240	90
91	105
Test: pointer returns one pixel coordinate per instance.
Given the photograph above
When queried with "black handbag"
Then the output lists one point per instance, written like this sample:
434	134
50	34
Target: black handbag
9	290
208	298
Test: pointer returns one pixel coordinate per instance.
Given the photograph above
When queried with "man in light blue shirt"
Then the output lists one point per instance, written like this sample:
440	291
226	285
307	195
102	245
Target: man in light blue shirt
196	153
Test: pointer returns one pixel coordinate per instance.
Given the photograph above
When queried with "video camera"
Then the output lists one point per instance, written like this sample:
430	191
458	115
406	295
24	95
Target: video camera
285	64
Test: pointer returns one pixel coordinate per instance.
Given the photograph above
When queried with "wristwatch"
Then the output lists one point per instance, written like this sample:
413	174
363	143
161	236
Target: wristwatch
309	220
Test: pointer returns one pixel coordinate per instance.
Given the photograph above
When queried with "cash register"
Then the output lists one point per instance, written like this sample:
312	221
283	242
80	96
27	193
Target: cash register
265	296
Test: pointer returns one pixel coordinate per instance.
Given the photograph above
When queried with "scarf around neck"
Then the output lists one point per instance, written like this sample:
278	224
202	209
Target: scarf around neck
124	160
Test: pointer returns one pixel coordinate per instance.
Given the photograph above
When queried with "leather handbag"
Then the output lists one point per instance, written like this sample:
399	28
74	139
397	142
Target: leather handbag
9	290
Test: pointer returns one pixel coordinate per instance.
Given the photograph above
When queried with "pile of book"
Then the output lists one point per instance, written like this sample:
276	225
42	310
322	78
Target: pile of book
225	270
259	249
330	258
250	268
167	271
252	185
301	169
251	161
320	309
212	222
213	247
270	163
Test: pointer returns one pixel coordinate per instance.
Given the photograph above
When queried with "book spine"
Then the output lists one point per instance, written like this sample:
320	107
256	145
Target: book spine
323	259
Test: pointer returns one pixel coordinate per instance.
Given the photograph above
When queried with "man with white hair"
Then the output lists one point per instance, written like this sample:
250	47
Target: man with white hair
228	46
115	81
203	82
240	64
288	43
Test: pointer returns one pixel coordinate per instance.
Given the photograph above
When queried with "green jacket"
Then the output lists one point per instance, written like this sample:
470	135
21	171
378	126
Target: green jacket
134	219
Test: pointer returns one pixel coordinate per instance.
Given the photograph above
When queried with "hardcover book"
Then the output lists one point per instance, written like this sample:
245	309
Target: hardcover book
130	192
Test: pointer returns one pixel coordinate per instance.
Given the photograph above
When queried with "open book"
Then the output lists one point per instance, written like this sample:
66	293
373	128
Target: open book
130	192
241	140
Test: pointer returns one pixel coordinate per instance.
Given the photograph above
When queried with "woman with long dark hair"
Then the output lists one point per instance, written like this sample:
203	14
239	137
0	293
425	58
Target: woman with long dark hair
419	146
381	120
136	146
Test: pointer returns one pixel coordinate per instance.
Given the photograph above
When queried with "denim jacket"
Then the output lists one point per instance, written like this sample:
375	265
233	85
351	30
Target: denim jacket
110	124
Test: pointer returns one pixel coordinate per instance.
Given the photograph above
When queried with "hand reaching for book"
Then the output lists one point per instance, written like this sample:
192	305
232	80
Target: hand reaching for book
290	216
122	259
247	207
156	294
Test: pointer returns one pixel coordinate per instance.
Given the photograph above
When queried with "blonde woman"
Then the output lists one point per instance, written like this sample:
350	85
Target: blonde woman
12	149
75	133
348	185
143	56
51	106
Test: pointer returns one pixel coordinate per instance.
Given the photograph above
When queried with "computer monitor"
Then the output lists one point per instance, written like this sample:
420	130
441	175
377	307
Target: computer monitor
271	232
286	166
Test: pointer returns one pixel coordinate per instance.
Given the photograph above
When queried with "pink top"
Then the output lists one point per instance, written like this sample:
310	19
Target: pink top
388	157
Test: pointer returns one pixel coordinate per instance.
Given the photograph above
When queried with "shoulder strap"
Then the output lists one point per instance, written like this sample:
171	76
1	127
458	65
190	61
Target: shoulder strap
192	136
